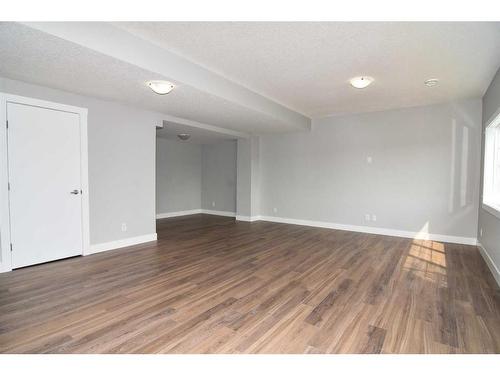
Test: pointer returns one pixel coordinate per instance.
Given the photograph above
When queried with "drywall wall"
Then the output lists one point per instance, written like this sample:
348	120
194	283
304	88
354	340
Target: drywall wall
178	176
218	190
248	179
243	178
255	179
490	224
121	143
191	176
423	174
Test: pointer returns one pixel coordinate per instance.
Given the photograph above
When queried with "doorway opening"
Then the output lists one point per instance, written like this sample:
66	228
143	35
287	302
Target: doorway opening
195	172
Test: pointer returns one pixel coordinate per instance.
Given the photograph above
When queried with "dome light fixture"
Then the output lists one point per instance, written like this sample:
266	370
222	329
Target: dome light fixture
361	82
431	82
183	136
161	87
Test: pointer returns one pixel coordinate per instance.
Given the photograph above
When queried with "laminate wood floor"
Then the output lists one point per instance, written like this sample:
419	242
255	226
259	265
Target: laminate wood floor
213	285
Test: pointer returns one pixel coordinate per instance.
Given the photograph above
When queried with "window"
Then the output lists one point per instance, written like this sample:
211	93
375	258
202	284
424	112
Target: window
491	190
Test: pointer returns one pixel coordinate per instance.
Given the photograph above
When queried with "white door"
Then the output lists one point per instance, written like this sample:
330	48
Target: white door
45	186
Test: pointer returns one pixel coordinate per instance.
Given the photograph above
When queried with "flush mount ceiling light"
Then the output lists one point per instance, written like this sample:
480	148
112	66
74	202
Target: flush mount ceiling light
361	82
161	87
183	136
431	82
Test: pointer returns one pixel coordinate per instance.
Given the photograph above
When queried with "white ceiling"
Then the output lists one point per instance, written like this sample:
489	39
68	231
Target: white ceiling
171	129
37	57
306	66
220	67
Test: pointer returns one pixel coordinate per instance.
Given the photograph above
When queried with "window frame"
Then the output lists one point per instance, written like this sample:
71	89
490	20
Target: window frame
491	166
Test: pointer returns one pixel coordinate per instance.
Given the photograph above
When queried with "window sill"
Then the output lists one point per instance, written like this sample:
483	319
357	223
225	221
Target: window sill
492	209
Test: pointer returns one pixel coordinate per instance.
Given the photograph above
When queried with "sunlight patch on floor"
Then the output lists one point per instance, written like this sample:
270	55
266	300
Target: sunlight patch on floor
427	259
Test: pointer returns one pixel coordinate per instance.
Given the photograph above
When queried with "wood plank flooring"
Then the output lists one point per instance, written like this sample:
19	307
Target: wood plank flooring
213	285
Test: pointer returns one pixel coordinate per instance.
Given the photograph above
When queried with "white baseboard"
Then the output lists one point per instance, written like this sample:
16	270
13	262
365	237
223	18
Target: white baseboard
178	213
5	268
330	225
373	230
194	212
219	213
491	265
97	248
247	218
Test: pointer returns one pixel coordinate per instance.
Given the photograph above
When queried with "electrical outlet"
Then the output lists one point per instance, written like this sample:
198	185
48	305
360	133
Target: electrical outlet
480	232
213	204
374	217
367	217
124	227
369	159
275	210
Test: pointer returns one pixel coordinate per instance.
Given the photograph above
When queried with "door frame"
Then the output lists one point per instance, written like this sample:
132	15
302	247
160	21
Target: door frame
6	255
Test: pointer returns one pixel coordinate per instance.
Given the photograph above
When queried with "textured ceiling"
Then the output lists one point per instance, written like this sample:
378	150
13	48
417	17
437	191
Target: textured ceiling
36	57
171	129
306	66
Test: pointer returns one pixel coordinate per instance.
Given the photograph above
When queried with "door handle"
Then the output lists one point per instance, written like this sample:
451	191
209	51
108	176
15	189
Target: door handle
75	192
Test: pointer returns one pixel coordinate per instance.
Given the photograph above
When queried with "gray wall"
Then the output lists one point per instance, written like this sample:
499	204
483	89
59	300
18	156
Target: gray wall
489	223
178	176
424	173
121	143
248	178
219	176
255	179
191	176
243	177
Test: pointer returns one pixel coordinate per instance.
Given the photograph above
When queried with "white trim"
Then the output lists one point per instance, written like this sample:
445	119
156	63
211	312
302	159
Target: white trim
489	198
6	258
491	209
98	248
374	230
178	213
494	118
248	218
330	225
219	213
4	268
84	170
491	265
194	212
